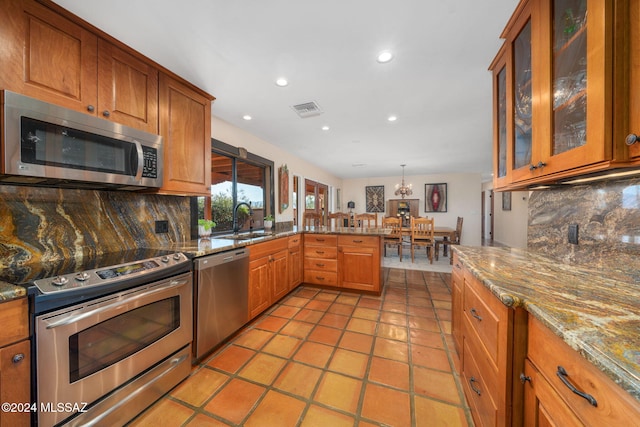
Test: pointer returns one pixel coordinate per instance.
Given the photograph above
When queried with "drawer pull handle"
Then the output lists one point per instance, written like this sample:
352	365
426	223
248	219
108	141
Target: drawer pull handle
17	358
357	241
319	240
319	278
475	314
472	380
319	265
320	252
562	374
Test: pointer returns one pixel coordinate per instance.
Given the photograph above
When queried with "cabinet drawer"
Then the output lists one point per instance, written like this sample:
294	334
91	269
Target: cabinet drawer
321	252
548	353
485	316
350	240
14	318
319	277
295	241
457	264
483	406
320	239
321	264
258	250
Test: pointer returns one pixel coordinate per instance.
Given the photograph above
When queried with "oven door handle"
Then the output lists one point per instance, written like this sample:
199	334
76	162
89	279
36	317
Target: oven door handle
174	363
77	317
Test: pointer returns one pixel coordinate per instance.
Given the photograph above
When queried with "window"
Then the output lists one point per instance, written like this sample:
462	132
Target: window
237	176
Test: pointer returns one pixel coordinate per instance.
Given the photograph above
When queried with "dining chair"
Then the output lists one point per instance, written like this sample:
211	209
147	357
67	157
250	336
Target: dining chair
395	237
370	219
446	243
422	230
338	219
310	219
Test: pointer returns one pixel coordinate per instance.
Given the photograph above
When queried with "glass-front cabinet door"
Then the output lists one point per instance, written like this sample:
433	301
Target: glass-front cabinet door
553	91
513	100
576	123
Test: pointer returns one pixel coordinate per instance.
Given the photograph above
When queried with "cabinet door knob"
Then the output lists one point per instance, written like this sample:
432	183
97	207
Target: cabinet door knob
631	139
91	108
106	113
18	358
532	167
524	378
563	375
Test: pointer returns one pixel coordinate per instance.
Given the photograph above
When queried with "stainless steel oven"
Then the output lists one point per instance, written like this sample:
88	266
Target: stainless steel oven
103	359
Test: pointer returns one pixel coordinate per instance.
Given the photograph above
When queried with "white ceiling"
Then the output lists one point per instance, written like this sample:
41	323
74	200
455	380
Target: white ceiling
437	85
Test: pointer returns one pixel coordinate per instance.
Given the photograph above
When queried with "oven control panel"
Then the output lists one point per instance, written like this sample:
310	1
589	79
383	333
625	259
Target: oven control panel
109	274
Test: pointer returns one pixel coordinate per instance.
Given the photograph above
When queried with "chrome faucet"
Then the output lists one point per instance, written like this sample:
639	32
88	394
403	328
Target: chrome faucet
236	228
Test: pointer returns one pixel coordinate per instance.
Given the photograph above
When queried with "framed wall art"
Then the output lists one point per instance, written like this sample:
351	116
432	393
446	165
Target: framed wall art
375	198
435	197
283	194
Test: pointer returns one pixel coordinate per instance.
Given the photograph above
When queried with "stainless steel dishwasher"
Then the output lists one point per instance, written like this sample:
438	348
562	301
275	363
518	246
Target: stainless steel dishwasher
221	298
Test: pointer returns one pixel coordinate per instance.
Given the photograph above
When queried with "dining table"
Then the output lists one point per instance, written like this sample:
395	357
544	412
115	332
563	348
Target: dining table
447	233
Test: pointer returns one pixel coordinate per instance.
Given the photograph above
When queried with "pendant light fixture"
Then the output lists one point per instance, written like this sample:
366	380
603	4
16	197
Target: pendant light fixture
402	189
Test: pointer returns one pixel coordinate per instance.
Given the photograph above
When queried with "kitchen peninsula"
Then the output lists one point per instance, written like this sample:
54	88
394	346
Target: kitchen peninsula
517	313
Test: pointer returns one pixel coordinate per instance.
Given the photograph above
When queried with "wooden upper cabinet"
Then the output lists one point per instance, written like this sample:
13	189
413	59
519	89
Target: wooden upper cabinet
632	126
185	124
47	56
554	93
127	88
51	58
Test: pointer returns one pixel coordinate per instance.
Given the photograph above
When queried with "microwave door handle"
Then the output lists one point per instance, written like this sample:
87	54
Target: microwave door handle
76	317
140	160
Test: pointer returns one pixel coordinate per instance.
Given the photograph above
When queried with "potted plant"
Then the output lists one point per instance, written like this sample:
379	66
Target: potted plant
205	226
268	222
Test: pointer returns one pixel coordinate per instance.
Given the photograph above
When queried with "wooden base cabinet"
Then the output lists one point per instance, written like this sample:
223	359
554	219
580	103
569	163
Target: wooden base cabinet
321	259
492	338
295	261
457	285
268	274
553	369
359	262
15	356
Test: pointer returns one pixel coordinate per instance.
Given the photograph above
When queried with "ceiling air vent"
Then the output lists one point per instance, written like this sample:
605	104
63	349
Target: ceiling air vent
308	109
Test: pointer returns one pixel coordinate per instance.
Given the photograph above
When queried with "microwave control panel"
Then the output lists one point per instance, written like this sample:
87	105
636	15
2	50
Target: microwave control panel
150	169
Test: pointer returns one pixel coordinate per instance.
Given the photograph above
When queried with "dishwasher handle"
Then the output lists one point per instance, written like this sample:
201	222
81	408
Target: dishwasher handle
221	258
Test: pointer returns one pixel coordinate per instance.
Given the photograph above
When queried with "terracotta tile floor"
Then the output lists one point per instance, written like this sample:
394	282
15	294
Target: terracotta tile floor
328	358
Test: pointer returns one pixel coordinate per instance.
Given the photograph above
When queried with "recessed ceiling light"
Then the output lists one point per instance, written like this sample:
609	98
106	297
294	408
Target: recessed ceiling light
282	82
325	127
392	118
247	117
384	56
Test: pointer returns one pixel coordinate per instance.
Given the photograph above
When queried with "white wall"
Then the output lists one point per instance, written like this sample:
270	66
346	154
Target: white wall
509	227
229	134
463	199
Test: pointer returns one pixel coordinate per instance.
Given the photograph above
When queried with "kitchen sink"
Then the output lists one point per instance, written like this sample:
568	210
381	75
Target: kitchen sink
246	236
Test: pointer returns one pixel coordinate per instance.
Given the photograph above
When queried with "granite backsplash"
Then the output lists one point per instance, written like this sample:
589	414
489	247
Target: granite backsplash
608	218
45	224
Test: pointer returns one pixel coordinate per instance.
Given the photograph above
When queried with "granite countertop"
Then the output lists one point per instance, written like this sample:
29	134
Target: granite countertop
9	291
213	245
595	312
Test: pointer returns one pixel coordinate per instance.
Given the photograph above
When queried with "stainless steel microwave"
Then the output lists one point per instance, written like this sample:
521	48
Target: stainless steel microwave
45	144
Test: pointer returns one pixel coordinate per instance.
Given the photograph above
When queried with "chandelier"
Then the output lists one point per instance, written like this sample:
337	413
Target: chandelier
402	189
